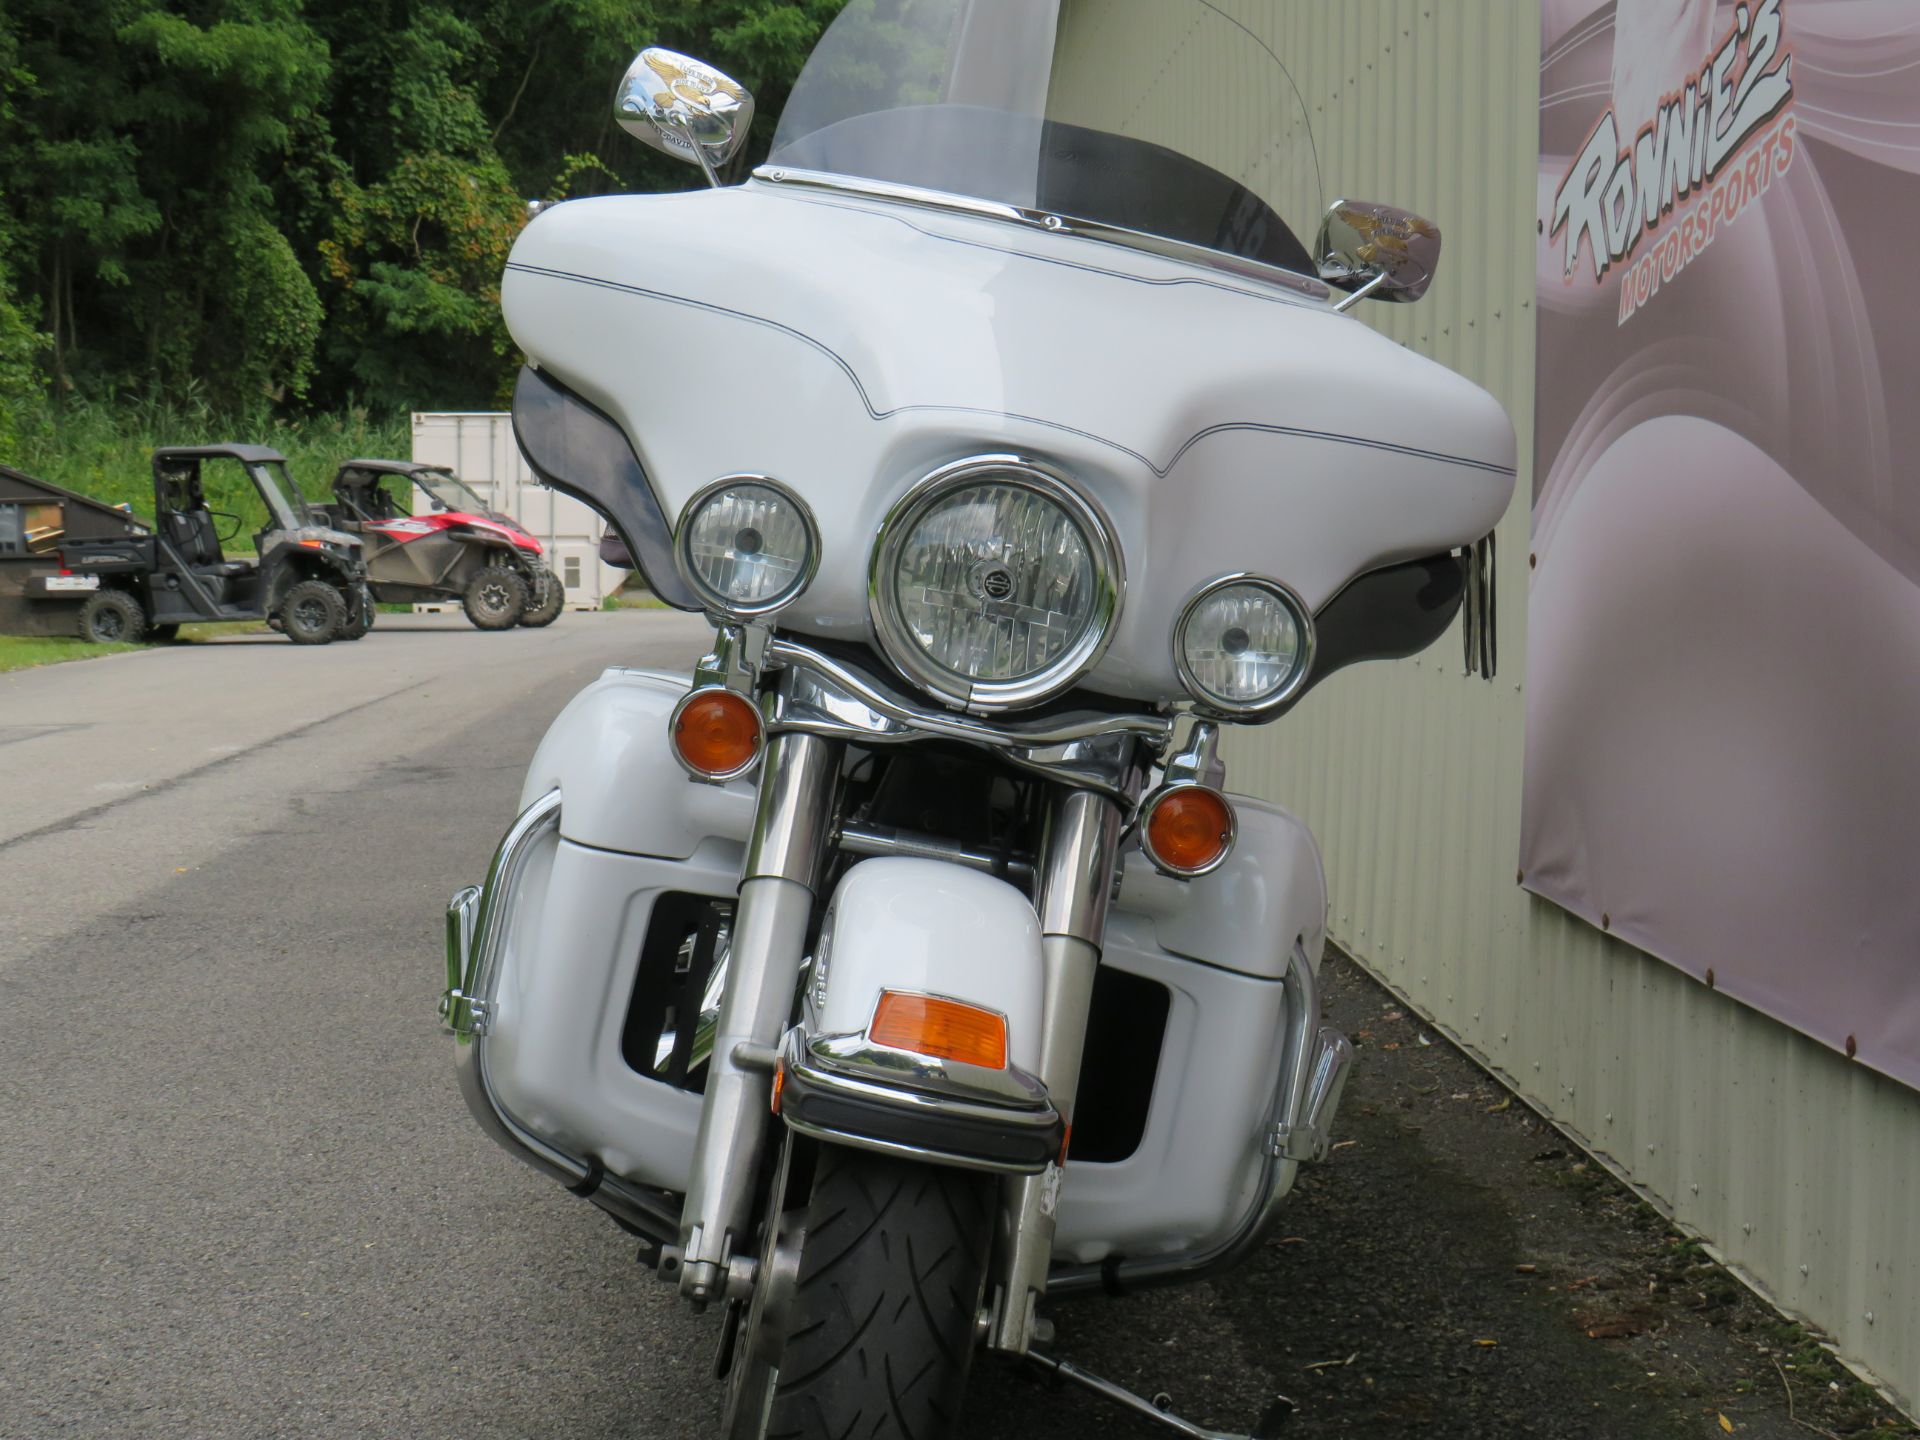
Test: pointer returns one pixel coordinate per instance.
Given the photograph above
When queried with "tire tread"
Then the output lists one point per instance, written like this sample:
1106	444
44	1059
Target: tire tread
880	1340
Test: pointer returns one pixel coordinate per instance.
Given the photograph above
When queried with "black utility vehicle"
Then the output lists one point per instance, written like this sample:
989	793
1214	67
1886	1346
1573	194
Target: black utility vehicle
305	579
459	549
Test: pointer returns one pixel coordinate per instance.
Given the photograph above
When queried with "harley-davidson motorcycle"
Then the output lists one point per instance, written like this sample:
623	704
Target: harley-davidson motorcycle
909	967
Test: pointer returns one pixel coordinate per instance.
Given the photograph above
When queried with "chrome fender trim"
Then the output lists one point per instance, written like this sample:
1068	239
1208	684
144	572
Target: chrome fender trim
476	931
823	1094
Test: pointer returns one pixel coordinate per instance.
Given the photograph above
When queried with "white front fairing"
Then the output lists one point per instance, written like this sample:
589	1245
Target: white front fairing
847	346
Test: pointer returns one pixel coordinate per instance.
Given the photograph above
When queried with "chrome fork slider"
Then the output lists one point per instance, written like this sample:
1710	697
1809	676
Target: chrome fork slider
790	831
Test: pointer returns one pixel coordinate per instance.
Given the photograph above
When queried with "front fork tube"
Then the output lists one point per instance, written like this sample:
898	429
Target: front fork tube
1078	858
790	830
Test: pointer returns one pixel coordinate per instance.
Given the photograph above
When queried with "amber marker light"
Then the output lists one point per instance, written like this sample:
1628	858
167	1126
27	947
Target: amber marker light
716	734
946	1029
1188	830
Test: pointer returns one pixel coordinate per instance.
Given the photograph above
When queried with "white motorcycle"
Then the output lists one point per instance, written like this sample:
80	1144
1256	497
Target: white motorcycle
910	967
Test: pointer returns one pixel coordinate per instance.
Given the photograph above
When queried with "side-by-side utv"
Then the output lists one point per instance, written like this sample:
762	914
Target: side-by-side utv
457	549
306	579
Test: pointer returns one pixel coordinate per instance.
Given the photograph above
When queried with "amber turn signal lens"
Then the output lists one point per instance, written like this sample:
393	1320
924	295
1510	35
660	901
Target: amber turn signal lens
1189	829
716	732
928	1025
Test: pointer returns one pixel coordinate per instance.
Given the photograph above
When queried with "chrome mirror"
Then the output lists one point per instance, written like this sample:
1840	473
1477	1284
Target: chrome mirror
685	108
1376	250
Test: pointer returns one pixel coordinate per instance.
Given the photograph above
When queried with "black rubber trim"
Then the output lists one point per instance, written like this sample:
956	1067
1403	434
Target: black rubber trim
918	1128
578	450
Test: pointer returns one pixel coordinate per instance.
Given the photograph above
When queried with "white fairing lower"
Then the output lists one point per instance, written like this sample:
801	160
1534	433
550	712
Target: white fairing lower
633	827
847	347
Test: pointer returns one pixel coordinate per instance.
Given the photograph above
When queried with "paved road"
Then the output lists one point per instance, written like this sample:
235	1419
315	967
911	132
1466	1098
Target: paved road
240	1197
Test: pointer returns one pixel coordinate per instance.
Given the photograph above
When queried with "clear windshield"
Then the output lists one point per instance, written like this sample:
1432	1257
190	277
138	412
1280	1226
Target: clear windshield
450	492
283	497
1174	118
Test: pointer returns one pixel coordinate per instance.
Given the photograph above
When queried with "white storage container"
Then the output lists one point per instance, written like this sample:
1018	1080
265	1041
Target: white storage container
482	452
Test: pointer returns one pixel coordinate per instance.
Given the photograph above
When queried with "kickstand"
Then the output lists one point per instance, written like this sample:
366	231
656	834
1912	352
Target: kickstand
1146	1409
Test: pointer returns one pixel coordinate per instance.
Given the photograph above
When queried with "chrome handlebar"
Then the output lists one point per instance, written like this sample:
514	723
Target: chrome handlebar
816	694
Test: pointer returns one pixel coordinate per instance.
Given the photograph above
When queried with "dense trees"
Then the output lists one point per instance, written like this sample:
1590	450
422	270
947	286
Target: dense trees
310	200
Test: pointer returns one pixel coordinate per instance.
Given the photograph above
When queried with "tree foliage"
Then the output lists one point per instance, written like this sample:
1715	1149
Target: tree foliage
309	202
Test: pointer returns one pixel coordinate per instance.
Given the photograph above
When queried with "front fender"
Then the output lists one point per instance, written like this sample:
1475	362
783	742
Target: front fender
924	927
931	928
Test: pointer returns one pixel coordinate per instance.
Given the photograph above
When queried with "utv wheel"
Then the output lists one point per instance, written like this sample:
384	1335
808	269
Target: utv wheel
880	1327
112	617
313	613
495	598
545	603
360	611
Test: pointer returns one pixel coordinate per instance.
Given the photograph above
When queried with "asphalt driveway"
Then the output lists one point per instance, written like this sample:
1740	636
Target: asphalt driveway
239	1195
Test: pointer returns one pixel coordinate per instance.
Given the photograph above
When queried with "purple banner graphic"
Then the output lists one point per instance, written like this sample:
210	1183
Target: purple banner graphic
1723	707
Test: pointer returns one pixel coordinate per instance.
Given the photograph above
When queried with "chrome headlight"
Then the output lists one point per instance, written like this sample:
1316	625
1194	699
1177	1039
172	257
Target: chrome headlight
746	545
1243	645
995	583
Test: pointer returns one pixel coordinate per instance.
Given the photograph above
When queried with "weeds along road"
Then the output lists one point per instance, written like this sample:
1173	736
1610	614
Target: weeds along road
240	1195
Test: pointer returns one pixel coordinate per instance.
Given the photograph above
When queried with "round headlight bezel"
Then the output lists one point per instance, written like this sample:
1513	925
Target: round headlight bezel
1269	705
713	600
1103	551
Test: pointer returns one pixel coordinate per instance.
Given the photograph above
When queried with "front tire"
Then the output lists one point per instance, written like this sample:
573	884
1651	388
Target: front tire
313	613
495	598
112	617
880	1328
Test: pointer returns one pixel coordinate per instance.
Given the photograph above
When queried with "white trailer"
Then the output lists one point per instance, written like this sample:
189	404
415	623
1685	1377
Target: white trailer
481	450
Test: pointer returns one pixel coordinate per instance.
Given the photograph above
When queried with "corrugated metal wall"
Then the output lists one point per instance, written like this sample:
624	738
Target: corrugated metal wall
1801	1169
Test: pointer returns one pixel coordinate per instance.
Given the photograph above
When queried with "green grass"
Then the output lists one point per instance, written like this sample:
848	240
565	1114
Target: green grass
104	449
23	652
634	600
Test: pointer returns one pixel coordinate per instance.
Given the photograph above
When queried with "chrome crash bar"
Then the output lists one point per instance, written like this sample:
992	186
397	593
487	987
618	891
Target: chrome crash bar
477	921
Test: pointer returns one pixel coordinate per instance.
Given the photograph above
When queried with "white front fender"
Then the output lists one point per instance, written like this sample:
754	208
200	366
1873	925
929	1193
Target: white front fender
930	928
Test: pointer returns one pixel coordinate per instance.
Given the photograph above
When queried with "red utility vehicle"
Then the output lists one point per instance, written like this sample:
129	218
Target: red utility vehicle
459	548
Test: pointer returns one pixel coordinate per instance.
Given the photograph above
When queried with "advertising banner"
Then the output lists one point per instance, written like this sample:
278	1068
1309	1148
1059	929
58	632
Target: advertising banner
1723	674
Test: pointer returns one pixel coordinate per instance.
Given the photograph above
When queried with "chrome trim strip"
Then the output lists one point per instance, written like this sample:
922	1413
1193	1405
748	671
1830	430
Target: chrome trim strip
1052	224
652	1214
860	1058
1269	706
1313	1072
1103	550
800	1061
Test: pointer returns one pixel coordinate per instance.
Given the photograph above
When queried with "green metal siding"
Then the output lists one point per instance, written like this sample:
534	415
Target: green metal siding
1798	1167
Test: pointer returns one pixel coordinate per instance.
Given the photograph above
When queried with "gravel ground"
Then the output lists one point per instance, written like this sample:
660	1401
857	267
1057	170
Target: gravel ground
1454	1269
